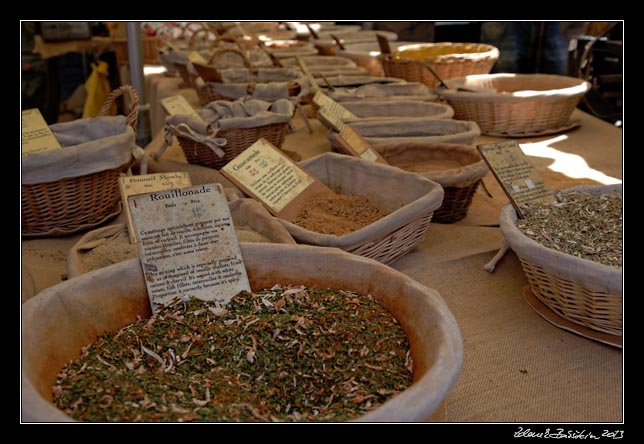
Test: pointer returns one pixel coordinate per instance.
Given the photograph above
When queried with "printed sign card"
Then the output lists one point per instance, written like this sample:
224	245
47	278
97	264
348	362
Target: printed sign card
518	178
178	105
265	173
321	100
131	185
188	245
36	134
355	145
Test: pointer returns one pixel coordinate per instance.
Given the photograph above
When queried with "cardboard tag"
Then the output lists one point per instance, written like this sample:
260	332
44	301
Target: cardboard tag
355	145
321	100
518	178
188	245
36	134
131	185
178	105
268	175
383	42
195	57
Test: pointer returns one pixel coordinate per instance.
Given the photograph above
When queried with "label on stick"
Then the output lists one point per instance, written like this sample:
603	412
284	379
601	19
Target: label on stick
131	185
36	134
353	142
518	178
195	57
321	100
188	245
178	105
265	173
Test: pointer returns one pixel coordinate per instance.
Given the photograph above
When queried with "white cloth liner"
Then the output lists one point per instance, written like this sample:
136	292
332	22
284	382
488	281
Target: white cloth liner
405	196
590	274
393	110
391	91
88	146
223	115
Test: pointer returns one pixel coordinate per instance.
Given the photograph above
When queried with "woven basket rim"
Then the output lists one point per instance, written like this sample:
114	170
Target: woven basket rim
486	51
583	271
580	88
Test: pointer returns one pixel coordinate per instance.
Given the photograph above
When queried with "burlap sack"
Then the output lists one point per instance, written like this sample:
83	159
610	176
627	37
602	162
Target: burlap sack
247	214
60	320
378	110
472	169
408	130
590	274
394	91
405	196
88	146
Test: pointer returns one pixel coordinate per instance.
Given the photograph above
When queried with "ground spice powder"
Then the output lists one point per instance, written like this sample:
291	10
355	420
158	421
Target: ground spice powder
280	354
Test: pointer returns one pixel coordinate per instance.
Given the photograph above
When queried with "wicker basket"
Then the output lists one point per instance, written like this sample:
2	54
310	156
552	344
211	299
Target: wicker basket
459	181
448	60
207	94
376	110
524	104
73	204
238	140
413	130
409	198
582	291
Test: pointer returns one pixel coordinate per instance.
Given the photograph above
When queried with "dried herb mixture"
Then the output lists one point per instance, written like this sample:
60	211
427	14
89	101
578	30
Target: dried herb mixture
581	224
279	354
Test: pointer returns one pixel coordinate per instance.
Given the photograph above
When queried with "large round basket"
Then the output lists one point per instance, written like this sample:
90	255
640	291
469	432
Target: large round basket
62	319
77	202
581	291
523	104
448	60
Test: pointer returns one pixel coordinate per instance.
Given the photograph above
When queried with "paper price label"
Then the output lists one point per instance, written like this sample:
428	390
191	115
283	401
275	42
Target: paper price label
36	134
178	105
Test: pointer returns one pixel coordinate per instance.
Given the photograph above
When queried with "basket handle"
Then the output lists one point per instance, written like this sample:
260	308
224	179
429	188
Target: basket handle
133	116
217	53
191	42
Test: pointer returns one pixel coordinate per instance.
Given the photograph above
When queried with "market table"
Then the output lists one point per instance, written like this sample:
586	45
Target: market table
517	367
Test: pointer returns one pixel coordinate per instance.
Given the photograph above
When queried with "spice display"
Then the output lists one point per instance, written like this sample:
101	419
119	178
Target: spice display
278	354
583	225
338	215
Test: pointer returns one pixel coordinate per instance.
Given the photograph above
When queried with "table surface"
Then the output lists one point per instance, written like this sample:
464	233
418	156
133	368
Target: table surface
517	367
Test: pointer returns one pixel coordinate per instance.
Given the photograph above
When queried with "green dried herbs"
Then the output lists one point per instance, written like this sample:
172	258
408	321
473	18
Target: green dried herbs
280	354
583	225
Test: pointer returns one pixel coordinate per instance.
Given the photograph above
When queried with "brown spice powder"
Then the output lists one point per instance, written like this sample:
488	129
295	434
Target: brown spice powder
339	215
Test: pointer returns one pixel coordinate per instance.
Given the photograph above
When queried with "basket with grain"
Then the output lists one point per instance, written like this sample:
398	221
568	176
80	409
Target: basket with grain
579	290
516	104
76	188
409	200
378	110
448	60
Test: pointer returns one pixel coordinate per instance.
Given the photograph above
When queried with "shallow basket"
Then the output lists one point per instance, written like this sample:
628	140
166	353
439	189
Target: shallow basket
413	130
448	60
238	139
72	204
62	319
410	200
377	110
524	104
459	183
584	292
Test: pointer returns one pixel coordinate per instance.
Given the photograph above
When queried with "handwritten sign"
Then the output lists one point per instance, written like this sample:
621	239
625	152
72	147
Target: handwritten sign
517	176
355	145
36	134
178	105
321	100
131	185
188	245
265	173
